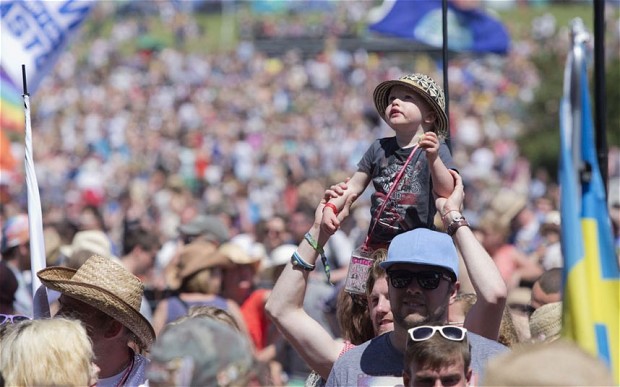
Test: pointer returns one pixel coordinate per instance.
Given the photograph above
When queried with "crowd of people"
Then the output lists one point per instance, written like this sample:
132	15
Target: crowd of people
184	199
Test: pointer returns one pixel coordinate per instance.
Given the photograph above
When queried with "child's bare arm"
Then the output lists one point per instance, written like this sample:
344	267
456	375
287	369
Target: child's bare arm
355	186
443	182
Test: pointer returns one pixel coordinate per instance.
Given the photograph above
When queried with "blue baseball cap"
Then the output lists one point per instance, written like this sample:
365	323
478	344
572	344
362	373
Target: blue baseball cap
423	247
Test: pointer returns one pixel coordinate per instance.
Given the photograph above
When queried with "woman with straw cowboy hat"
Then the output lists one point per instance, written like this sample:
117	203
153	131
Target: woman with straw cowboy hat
106	298
197	281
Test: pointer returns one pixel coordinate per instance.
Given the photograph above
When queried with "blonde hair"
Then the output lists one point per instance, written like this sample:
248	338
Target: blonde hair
201	282
376	271
214	313
47	352
528	365
210	312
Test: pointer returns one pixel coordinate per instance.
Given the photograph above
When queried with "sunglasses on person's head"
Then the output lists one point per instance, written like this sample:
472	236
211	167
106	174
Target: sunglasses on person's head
425	332
426	279
12	318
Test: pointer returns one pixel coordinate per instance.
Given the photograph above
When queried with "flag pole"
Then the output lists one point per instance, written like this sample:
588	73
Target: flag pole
600	107
40	304
444	52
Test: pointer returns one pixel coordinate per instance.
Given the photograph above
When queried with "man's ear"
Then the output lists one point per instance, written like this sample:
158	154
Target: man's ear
454	291
406	377
468	375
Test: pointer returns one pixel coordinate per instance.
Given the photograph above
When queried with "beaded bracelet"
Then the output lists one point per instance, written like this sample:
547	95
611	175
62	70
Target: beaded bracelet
319	249
297	261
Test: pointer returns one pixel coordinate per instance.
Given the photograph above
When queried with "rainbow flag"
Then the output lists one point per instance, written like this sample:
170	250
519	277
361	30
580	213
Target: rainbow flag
591	315
11	105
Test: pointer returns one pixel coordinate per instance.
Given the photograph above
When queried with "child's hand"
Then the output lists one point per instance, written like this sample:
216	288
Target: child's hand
430	143
336	190
329	221
455	201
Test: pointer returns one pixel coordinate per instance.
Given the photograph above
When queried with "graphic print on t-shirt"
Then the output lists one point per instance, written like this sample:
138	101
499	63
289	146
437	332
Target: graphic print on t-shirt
396	216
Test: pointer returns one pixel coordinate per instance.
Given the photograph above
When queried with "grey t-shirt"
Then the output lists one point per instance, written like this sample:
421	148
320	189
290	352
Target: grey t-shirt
378	363
411	205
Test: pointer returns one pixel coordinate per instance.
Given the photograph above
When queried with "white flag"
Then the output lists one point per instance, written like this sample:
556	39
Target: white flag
34	33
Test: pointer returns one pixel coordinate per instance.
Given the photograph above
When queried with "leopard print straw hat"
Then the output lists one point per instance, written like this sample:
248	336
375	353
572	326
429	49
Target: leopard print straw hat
423	85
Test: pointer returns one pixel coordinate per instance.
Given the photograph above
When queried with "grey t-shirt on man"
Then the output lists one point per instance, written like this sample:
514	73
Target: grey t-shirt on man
378	363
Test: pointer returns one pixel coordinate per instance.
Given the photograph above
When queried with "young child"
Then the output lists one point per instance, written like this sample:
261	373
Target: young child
405	169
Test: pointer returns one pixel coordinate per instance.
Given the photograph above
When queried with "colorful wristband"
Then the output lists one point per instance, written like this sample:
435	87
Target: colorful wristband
313	243
297	261
319	249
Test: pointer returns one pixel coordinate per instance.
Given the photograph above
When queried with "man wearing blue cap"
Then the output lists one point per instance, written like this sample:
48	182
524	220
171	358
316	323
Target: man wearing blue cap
422	268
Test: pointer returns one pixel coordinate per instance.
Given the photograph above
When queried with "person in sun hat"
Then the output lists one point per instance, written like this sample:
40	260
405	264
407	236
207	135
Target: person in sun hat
84	244
404	169
546	322
106	298
95	241
15	251
240	275
550	251
199	273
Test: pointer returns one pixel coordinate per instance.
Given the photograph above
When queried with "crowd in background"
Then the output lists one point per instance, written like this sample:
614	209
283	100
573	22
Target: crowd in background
150	141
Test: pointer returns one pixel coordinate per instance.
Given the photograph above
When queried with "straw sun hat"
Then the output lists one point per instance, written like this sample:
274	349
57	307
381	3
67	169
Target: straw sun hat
196	257
106	286
424	86
95	241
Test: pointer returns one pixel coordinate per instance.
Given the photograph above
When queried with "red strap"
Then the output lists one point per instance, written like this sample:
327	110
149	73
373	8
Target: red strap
392	188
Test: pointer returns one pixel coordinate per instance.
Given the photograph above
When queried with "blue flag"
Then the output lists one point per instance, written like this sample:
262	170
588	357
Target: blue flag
469	30
591	274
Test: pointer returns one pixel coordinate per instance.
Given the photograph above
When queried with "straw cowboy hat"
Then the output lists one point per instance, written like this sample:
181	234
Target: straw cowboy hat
422	85
196	257
237	255
507	203
107	286
546	322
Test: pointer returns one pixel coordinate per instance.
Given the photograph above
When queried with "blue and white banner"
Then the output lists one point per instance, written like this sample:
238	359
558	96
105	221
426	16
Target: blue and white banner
34	33
470	28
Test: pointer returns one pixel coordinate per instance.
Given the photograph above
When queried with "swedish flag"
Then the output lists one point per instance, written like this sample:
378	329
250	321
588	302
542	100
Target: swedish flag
591	274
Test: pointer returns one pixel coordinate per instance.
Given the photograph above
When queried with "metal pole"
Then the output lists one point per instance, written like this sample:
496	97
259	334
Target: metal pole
444	51
600	107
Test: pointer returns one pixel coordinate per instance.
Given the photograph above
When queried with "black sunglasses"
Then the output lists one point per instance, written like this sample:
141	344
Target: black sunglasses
12	318
425	332
426	279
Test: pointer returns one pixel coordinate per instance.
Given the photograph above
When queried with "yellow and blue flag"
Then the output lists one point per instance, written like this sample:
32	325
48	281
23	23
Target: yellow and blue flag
591	275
